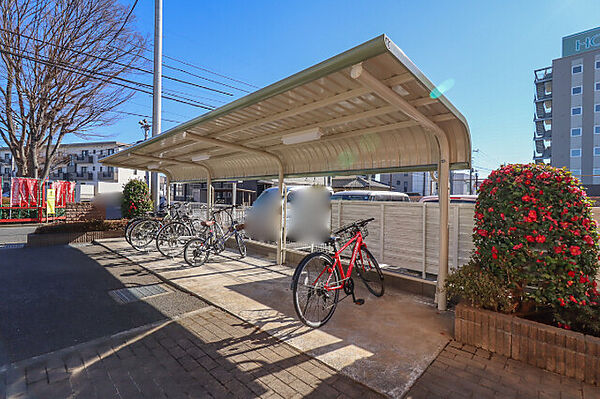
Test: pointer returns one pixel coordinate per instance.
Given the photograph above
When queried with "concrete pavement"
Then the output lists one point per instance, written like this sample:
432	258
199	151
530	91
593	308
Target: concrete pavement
15	233
55	297
385	344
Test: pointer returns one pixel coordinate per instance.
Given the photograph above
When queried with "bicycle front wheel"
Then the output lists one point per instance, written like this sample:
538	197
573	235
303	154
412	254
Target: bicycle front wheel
171	238
313	302
369	272
196	252
143	233
130	224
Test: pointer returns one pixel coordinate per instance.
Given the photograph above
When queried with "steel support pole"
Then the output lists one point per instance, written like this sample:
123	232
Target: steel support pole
444	201
157	90
168	191
280	242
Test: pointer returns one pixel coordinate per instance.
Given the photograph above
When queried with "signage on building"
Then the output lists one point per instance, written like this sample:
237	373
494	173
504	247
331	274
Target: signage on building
581	42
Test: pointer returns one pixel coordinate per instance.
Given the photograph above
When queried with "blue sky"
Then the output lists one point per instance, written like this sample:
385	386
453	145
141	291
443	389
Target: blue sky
490	49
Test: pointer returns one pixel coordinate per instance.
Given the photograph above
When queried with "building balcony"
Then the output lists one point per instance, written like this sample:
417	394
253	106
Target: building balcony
80	176
542	117
546	154
542	97
542	75
84	158
107	175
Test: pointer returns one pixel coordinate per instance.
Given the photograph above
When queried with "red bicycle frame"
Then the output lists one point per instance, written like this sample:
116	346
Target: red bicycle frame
338	263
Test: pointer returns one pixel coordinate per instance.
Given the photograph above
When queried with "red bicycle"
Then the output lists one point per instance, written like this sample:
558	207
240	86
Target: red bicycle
320	277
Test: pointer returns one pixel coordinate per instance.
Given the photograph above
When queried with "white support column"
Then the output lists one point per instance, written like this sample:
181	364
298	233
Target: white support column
280	242
168	190
382	90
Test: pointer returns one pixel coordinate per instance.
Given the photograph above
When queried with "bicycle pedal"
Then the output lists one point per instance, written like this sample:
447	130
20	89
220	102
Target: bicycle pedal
359	301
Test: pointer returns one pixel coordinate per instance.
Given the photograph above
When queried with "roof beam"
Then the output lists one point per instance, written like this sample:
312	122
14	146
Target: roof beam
395	80
237	147
175	161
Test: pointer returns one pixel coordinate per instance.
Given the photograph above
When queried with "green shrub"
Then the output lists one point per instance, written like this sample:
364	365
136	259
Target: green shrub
82	227
535	235
480	288
136	199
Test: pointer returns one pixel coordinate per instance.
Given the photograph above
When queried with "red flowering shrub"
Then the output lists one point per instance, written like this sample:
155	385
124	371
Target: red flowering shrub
534	229
136	199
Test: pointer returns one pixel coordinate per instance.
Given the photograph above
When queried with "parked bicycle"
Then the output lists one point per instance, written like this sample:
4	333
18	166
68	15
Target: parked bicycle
172	237
197	250
141	231
320	277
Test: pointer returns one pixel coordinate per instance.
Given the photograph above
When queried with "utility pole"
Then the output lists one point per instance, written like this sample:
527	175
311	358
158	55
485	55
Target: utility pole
157	90
471	181
476	181
146	127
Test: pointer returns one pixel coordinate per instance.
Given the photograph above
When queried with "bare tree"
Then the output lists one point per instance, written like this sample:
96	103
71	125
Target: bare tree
62	70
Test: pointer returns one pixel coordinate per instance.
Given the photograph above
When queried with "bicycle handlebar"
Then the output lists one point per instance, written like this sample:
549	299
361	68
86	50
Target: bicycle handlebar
356	223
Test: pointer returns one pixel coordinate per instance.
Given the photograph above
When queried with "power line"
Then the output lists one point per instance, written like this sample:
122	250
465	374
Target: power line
197	76
93	75
116	62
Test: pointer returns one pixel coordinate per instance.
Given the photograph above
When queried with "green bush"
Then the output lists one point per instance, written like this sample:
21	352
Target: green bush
480	288
136	199
534	231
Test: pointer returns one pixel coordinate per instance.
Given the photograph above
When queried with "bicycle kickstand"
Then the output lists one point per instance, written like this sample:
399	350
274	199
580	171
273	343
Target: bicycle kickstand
357	301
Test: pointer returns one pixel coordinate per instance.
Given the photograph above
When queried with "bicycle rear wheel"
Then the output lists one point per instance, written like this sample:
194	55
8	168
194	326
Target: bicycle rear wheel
369	272
143	233
171	238
196	252
241	244
315	304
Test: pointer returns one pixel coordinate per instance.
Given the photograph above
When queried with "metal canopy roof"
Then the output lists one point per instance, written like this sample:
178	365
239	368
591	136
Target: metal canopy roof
367	109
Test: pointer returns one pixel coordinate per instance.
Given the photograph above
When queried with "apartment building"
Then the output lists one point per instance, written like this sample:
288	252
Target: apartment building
567	109
421	183
79	162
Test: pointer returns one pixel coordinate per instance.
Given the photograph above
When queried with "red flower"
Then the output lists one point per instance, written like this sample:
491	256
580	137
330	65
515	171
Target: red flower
575	250
482	233
562	303
569	283
571	273
558	250
518	246
530	238
589	240
540	239
572	299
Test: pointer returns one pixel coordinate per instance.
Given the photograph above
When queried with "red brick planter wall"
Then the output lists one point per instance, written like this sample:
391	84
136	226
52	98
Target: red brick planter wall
81	211
564	352
44	240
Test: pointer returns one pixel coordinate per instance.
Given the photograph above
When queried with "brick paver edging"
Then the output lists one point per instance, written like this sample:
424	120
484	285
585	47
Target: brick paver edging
564	352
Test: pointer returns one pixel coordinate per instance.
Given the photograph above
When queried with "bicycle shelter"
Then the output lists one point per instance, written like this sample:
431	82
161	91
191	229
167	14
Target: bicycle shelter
367	110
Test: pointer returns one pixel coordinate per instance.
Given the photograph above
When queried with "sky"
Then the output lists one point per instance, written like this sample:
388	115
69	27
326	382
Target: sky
488	48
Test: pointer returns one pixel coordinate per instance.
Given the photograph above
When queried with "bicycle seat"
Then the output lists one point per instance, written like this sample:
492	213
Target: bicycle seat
207	223
332	239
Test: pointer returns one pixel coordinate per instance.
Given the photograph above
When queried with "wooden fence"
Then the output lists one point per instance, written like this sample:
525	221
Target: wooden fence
405	235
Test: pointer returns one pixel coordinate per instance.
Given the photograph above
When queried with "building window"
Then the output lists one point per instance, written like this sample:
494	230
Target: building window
597	151
576	172
597	64
597	108
135	172
576	132
576	90
596	172
597	129
577	69
6	171
597	87
398	182
575	152
576	111
93	168
7	156
110	151
405	186
83	169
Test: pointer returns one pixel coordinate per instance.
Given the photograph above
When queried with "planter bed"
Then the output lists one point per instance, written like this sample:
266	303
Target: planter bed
44	240
568	353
